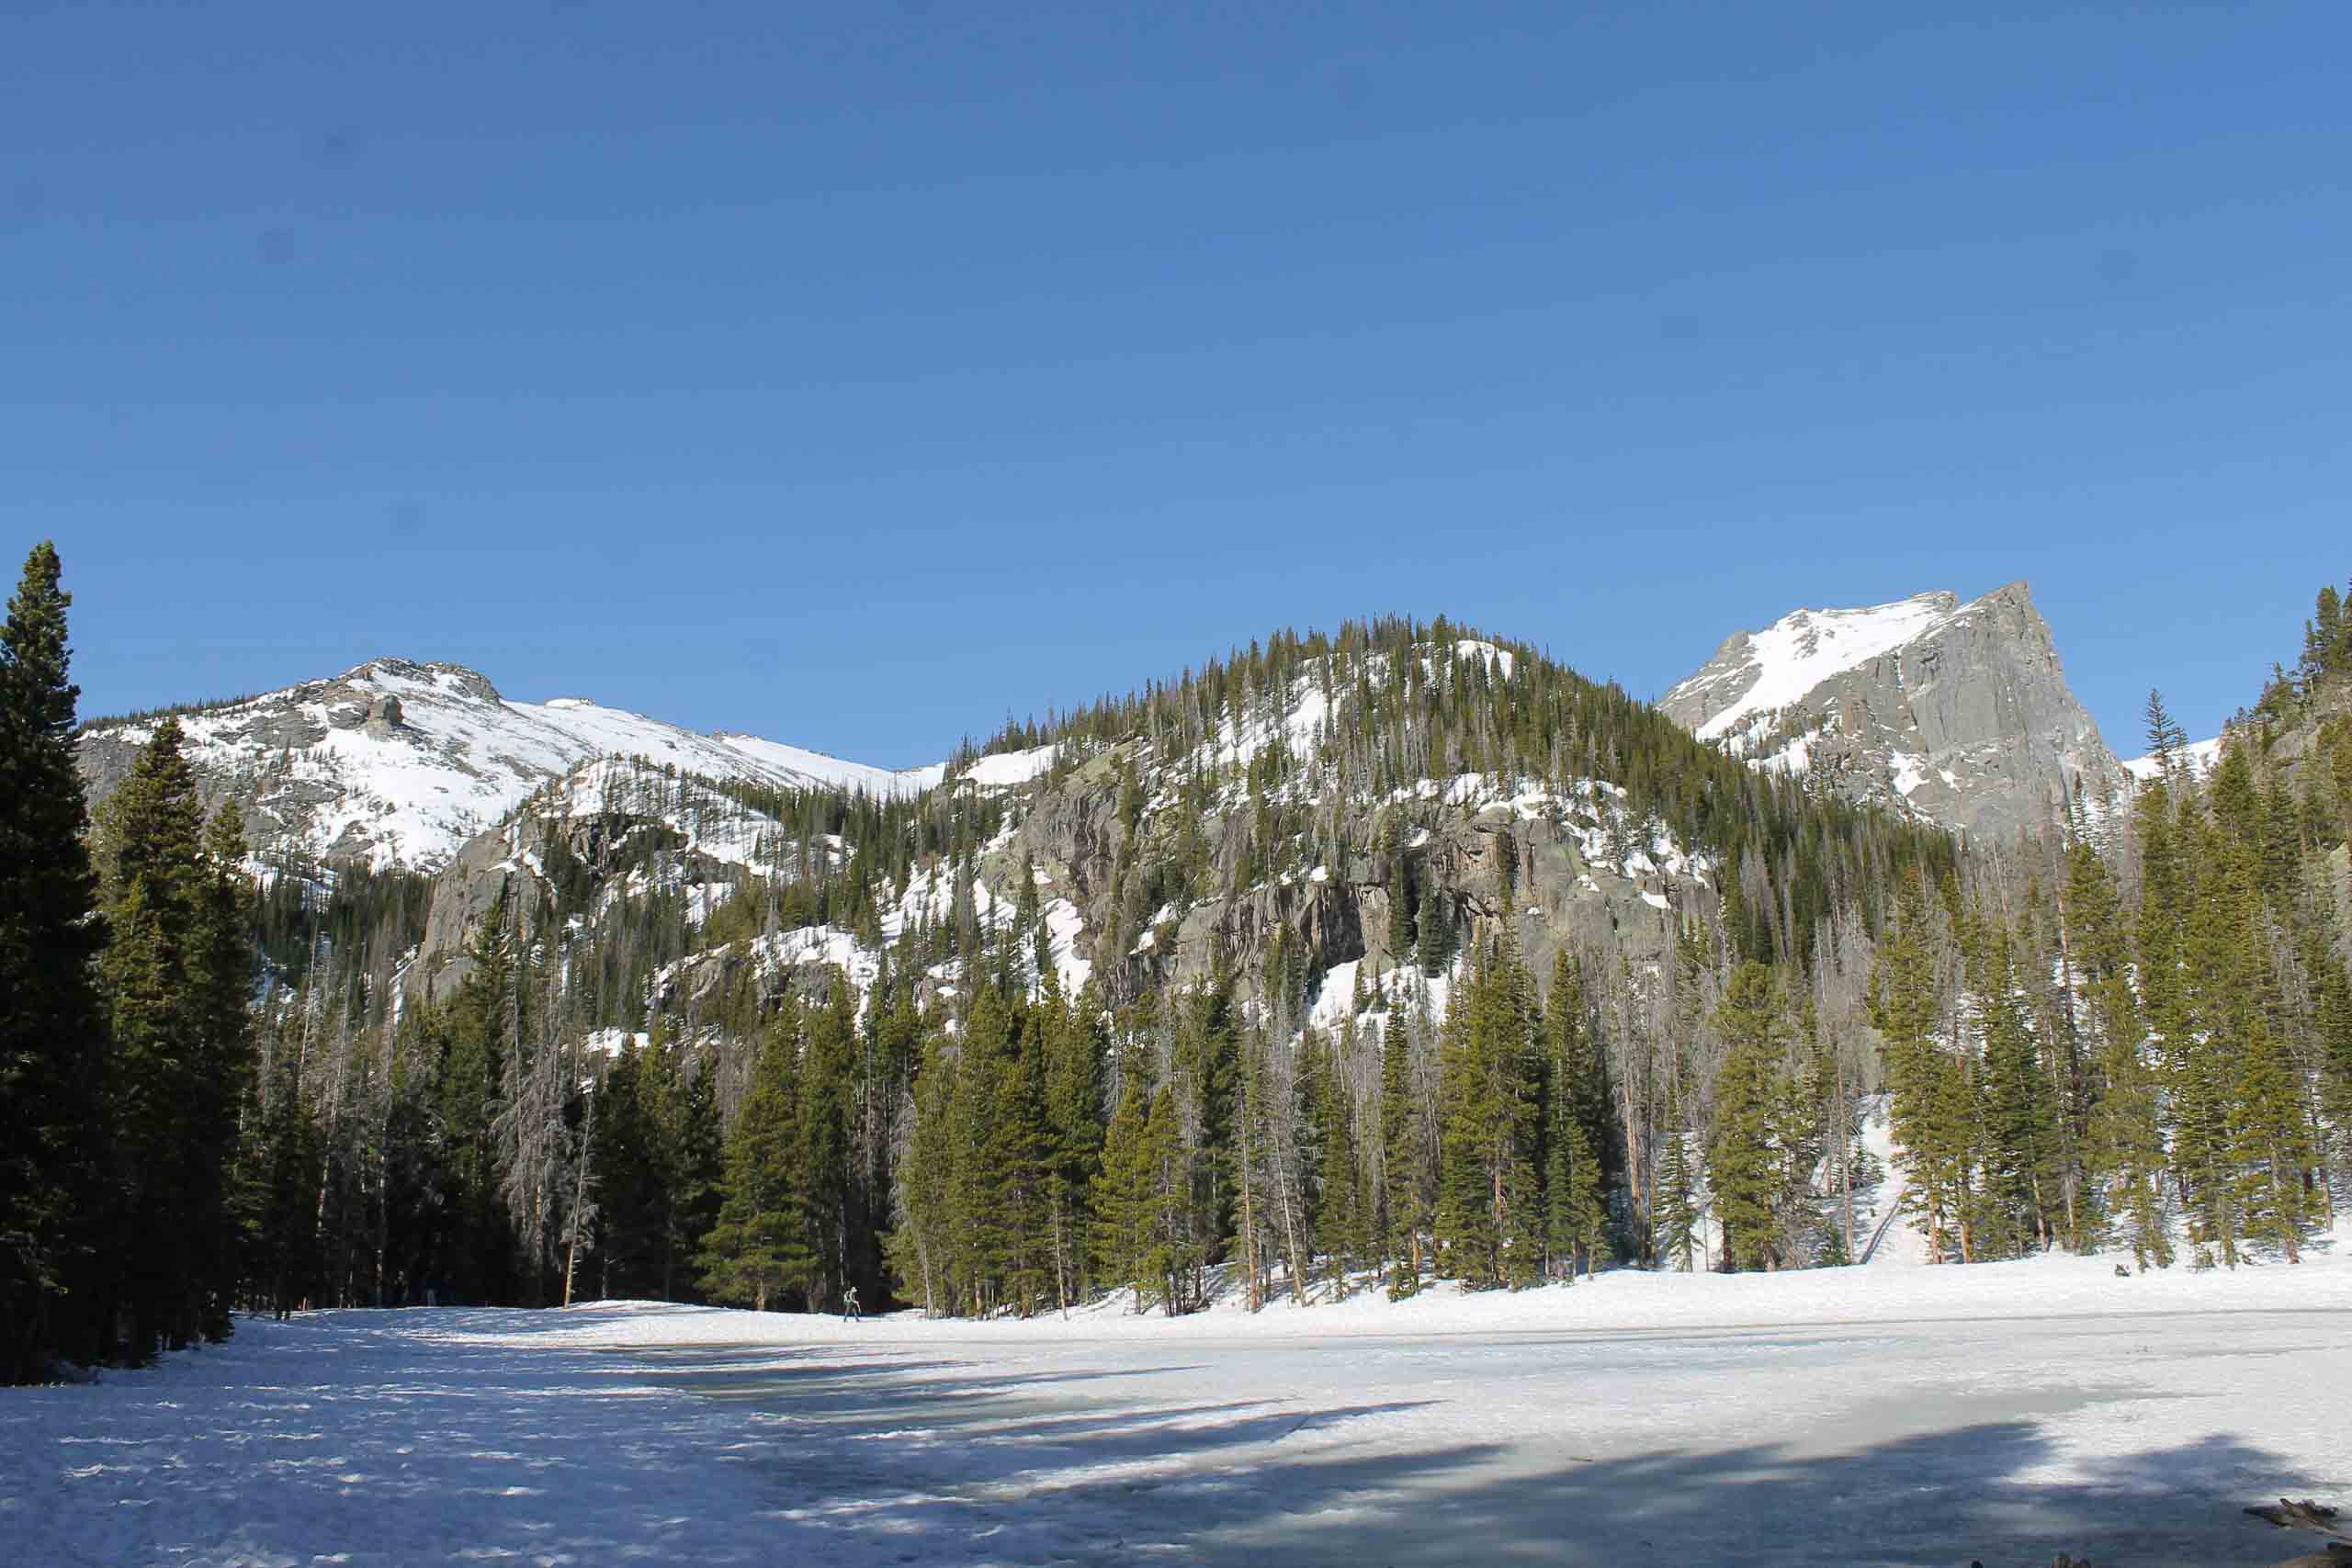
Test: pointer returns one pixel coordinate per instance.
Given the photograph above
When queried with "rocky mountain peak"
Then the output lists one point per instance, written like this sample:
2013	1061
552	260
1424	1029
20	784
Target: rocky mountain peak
1955	712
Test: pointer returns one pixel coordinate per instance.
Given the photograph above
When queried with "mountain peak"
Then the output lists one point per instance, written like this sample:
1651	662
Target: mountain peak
1756	674
398	761
1958	713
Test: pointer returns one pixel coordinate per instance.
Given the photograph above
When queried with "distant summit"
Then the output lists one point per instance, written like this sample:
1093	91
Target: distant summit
1956	713
396	763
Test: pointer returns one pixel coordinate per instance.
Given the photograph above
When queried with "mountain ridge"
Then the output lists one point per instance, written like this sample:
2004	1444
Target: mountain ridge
397	762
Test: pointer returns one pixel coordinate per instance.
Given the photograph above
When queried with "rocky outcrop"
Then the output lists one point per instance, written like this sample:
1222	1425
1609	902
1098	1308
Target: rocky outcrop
1957	713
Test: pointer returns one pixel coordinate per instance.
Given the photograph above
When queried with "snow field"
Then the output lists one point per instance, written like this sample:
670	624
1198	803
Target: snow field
2005	1412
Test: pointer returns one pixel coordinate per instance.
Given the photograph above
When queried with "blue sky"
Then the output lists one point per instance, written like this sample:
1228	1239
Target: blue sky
855	374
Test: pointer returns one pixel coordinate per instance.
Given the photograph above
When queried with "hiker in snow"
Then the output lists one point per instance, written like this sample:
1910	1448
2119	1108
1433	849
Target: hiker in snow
849	1304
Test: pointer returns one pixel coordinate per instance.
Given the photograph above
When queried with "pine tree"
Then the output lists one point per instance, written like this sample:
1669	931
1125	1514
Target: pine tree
2126	1134
1485	1208
223	1071
2196	997
1741	1162
1575	1198
1679	1209
1926	1091
1075	1056
2020	1128
1404	1193
177	977
758	1252
1125	1194
2268	1148
286	1160
1338	1218
52	1037
822	1133
2166	741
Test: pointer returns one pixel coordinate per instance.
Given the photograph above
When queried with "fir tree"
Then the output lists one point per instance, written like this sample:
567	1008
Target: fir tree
1927	1101
1404	1193
2126	1136
52	1037
1679	1207
1741	1163
2165	739
758	1252
1124	1194
1575	1198
1485	1209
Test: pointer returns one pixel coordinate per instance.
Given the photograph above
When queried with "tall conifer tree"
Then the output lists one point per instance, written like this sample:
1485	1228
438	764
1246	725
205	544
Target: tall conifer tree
52	1036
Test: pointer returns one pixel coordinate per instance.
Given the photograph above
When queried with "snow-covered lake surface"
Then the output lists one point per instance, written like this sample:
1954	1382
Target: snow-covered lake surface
1907	1415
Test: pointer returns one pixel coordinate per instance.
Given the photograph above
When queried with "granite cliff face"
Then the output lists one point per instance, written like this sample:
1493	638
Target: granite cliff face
1956	713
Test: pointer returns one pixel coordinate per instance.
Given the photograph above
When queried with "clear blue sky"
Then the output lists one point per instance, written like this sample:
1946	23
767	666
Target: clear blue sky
855	374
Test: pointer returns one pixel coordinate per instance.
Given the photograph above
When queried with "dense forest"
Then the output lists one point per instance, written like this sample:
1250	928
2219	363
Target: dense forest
863	1053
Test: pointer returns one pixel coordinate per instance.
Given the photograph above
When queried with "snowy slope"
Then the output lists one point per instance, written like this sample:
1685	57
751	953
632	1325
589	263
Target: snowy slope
328	768
1757	674
2200	755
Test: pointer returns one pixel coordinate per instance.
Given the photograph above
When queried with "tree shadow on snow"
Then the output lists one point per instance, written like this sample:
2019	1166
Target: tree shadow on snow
1241	1483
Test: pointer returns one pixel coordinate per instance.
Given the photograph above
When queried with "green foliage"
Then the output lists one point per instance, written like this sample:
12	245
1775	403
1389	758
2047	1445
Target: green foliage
53	1044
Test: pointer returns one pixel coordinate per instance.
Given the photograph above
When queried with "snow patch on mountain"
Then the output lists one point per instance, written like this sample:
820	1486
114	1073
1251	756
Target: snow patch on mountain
1004	770
2201	757
1798	652
401	763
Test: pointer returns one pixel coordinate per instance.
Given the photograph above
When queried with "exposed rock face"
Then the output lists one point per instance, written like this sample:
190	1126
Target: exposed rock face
1957	713
586	846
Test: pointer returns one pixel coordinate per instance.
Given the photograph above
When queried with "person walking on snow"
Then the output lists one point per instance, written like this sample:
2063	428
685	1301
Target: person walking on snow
849	1305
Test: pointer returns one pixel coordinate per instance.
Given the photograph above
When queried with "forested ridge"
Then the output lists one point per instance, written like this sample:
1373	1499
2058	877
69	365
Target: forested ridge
1344	962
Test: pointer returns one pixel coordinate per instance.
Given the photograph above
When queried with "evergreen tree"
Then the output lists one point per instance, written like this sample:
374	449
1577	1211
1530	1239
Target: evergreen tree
52	1036
1928	1097
176	978
1125	1195
1074	1059
758	1252
2019	1178
1339	1213
2166	739
1679	1207
1741	1158
2127	1141
1404	1191
1487	1211
1575	1198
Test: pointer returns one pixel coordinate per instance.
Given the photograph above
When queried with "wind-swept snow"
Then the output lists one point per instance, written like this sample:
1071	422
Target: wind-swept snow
1920	1415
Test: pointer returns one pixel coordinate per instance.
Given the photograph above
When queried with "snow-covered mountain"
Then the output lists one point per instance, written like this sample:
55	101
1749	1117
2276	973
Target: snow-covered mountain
400	763
1957	713
2198	756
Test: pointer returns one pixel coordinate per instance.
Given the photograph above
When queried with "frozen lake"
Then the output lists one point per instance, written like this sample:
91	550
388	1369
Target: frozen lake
1949	1421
